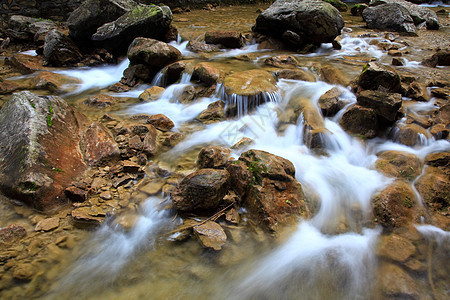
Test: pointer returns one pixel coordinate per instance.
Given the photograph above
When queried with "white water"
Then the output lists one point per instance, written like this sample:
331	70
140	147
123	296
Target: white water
431	232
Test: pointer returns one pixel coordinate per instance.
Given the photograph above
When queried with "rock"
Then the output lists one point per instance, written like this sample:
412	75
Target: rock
386	105
197	47
59	50
24	272
333	75
76	194
142	21
399	164
439	131
7	87
410	134
40	137
295	74
90	15
211	235
12	233
440	58
417	91
213	113
391	16
376	76
53	82
25	64
99	146
243	91
29	29
86	217
439	160
281	61
394	282
393	206
119	88
161	122
174	71
243	143
398	61
152	53
47	224
357	9
395	247
433	186
151	94
313	21
100	101
203	189
126	221
360	121
329	102
213	157
227	39
137	72
265	164
206	73
339	5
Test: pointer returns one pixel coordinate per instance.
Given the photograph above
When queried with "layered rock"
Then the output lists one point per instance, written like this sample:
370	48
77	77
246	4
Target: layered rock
60	51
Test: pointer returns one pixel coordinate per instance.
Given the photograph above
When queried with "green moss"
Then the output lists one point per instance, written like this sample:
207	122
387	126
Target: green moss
49	116
366	66
141	11
57	170
29	186
408	202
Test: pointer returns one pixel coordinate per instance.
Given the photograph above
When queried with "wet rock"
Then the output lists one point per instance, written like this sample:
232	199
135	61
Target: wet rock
195	46
265	164
86	217
357	9
386	105
439	160
393	206
211	235
399	164
417	91
394	282
153	53
360	121
24	272
174	71
339	5
25	64
439	131
282	61
213	113
246	90
314	21
203	189
40	137
206	73
376	76
410	134
12	233
76	194
295	74
170	139
90	15
240	177
243	144
60	51
433	186
440	58
161	122
333	75
47	224
391	16
99	147
7	87
213	157
151	94
185	95
227	39
100	101
106	195
330	103
147	21
53	82
29	29
396	248
126	221
119	88
398	61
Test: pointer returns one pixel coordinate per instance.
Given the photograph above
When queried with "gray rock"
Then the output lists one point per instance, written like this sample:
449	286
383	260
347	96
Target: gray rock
59	50
391	16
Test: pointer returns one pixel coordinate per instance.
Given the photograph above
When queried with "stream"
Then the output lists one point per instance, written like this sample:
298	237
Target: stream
330	256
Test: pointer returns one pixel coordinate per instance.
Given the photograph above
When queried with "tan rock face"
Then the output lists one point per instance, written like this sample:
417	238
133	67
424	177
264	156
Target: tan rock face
399	164
396	248
434	187
211	235
250	83
395	282
151	94
47	224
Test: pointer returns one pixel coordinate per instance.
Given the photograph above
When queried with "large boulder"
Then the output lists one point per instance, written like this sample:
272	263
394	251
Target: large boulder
399	164
149	21
376	76
91	14
301	22
434	188
59	50
360	121
152	53
40	141
390	16
386	105
29	29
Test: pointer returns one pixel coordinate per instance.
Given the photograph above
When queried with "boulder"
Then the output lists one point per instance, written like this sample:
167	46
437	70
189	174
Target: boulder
174	71
244	91
152	53
360	121
376	76
417	91
91	14
386	105
440	58
339	5
393	207
161	122
313	21
410	134
394	282
206	73
60	51
402	165
215	112
195	46
226	39
213	157
210	235
391	16
330	103
98	146
147	21
201	190
434	187
29	29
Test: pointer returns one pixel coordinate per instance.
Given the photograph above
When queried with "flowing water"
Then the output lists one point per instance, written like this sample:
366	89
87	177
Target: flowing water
330	256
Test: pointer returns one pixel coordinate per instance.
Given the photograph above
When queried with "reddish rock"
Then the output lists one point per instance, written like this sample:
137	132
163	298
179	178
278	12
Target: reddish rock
206	73
211	235
100	101
240	177
7	87
161	122
11	233
76	194
399	164
25	64
228	39
213	157
99	147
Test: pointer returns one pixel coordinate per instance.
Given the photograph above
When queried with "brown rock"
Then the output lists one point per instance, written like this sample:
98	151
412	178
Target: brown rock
52	82
213	157
86	217
75	194
295	74
47	224
282	61
385	105
11	233
151	94
333	75
228	39
394	282
439	131
243	144
360	121
119	88
213	113
211	235
206	73
399	164
410	134
25	64
161	122
100	101
376	76
99	146
329	102
434	187
396	248
24	272
152	53
7	87
418	92
195	46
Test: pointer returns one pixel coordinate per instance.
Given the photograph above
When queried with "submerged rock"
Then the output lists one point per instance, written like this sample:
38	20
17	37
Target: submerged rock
313	21
12	233
226	39
210	235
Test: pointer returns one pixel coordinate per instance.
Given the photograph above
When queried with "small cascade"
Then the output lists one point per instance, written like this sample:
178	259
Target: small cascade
160	79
